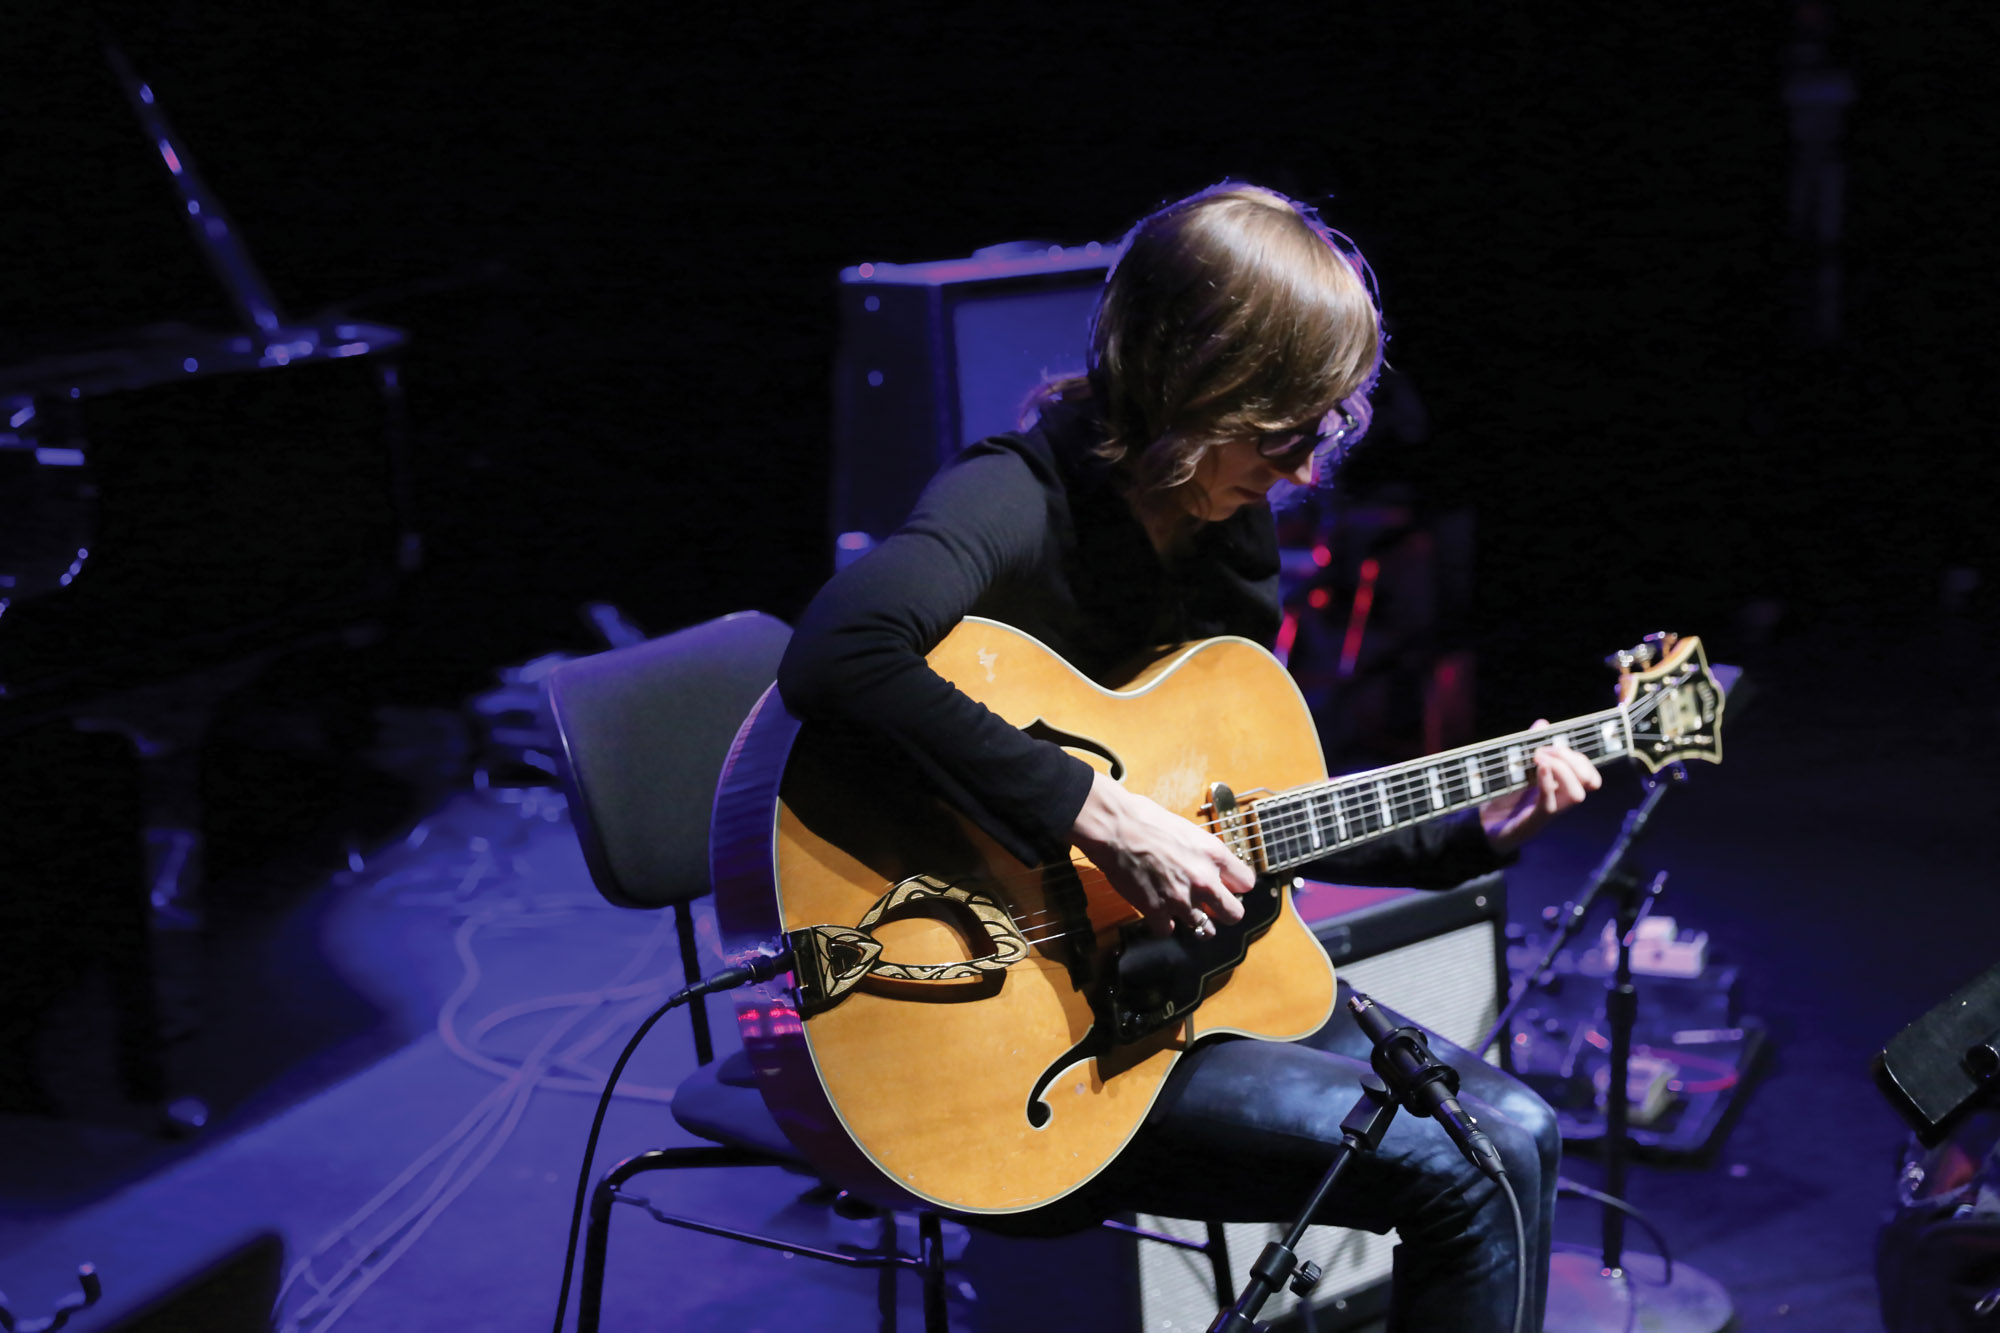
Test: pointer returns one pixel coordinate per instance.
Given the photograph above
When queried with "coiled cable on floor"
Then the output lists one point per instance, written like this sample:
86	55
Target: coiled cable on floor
466	1150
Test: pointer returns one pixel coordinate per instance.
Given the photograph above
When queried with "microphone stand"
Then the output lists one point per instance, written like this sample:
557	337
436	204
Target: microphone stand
1572	916
1362	1129
1595	1291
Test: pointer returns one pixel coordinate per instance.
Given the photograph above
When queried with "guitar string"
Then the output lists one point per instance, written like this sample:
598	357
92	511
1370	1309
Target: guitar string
1410	777
1409	785
1297	810
1411	782
1583	735
1300	810
1030	922
1449	773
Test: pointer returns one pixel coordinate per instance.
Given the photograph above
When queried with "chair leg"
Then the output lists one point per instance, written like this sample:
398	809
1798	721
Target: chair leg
931	1249
1218	1263
885	1277
590	1287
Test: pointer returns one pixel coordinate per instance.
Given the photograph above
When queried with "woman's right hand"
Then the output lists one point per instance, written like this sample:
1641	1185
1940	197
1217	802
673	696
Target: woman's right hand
1173	870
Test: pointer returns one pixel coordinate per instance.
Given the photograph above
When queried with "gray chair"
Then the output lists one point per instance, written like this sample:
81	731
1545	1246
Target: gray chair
645	730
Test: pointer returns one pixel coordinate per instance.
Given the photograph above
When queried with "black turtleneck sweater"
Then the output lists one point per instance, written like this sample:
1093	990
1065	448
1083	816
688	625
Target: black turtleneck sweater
1030	530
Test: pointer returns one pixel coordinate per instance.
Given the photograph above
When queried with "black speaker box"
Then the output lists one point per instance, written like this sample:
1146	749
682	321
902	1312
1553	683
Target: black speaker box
934	356
191	1281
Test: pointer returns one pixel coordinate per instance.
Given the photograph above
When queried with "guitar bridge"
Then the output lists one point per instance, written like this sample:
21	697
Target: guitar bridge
1234	824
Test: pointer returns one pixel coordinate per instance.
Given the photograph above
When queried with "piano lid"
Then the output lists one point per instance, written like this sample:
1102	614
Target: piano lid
181	541
264	336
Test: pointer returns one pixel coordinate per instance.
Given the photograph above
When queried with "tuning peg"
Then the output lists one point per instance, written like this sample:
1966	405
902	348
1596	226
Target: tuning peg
1638	656
1643	654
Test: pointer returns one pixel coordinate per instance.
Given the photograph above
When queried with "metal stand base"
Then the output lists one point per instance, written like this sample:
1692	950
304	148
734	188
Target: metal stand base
1583	1298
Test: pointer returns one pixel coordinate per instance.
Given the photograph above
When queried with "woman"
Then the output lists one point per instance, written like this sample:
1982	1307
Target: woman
1233	349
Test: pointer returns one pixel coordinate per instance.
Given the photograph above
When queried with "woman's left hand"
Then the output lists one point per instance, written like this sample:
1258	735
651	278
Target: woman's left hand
1562	778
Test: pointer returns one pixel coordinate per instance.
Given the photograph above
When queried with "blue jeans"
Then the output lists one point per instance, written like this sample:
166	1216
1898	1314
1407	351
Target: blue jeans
1245	1129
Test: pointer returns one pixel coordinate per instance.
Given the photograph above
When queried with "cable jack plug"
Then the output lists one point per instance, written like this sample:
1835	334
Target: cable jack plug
761	968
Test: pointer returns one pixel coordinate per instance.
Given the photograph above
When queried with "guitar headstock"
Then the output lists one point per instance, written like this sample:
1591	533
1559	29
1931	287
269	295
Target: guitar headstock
1672	701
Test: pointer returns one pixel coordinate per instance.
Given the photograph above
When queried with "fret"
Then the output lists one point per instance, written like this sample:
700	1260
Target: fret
1407	800
1269	830
1361	816
1302	837
1457	790
1279	827
1300	825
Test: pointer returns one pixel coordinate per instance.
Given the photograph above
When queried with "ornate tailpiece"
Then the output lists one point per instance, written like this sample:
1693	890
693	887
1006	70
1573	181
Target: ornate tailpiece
830	961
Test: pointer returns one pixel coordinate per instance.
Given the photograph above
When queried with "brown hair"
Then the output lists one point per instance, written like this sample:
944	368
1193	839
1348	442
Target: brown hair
1232	312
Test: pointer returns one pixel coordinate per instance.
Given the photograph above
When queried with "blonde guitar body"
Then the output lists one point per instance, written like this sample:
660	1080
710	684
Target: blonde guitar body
971	1058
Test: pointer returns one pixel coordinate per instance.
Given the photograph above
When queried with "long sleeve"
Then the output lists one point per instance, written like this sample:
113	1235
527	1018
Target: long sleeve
857	656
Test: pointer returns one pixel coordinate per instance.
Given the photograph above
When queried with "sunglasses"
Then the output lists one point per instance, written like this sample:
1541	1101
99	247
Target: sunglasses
1325	446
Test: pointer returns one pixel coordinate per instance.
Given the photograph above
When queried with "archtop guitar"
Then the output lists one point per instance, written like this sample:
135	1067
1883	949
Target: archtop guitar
985	1036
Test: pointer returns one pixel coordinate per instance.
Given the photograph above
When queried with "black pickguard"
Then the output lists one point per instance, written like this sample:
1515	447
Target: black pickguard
1150	982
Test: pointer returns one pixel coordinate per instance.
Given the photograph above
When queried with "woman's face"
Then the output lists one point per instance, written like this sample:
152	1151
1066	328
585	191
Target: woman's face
1241	472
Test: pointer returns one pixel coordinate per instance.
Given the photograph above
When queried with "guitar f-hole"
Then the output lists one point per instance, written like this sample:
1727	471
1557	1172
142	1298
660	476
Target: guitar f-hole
1069	740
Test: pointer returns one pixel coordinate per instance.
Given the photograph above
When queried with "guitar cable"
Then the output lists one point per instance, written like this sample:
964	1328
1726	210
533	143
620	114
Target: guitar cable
759	969
1520	1255
1564	1185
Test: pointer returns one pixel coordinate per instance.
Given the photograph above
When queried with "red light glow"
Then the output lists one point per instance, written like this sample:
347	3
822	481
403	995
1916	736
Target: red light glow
1288	633
1357	621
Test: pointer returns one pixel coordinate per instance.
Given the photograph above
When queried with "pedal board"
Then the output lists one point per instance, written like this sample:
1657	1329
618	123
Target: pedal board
1693	1053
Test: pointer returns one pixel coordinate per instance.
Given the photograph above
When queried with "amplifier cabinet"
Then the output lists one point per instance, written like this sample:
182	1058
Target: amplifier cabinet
936	355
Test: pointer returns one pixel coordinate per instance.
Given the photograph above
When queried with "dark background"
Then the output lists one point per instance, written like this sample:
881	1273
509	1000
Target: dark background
1577	215
613	234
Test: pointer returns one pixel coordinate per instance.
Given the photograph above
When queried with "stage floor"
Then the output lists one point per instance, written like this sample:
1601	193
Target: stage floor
1835	857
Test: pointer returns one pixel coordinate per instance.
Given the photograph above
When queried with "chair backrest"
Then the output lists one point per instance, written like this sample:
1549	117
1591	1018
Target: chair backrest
645	730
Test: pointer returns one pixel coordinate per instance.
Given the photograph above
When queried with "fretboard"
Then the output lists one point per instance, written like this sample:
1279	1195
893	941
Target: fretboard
1300	825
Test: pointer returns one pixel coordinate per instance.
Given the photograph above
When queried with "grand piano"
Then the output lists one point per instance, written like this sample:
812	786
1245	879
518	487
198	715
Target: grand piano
180	504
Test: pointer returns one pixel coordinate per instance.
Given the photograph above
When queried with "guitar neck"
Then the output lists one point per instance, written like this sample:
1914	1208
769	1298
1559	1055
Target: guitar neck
1293	827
